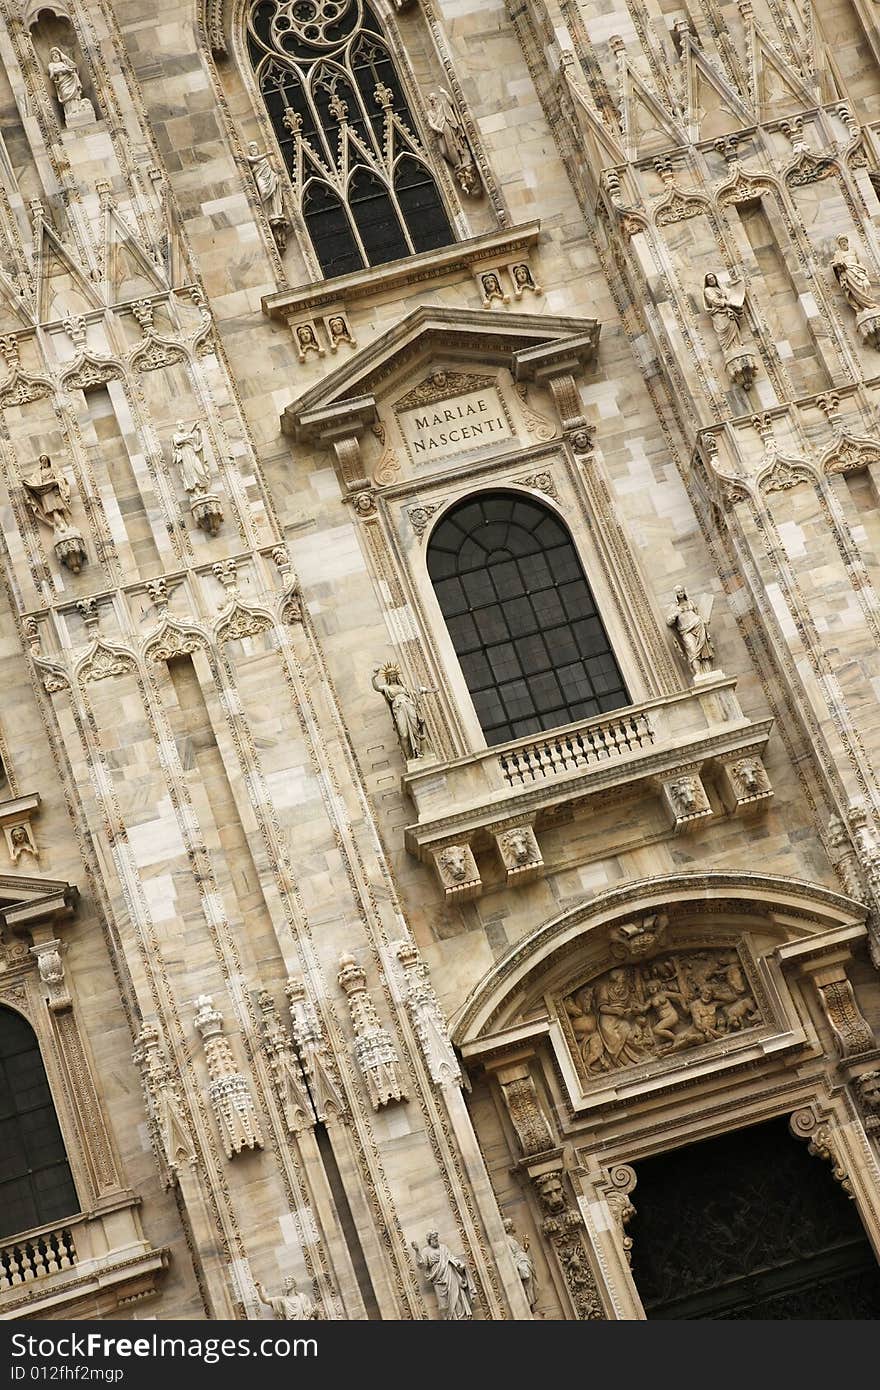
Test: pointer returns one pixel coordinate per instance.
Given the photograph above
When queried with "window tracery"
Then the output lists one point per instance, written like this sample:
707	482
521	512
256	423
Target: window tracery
360	171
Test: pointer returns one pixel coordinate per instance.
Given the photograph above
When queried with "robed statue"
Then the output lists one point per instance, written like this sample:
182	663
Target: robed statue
449	1276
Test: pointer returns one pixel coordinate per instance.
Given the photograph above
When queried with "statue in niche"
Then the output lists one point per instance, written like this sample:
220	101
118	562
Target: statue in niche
726	306
291	1306
633	1013
65	78
523	1261
189	456
692	632
449	1276
855	282
48	494
853	278
268	185
405	707
444	120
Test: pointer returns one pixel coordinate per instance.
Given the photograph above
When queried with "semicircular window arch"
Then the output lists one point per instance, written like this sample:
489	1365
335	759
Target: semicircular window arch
346	132
522	617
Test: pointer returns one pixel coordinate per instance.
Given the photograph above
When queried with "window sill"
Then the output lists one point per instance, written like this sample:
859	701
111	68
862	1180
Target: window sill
461	256
96	1262
500	798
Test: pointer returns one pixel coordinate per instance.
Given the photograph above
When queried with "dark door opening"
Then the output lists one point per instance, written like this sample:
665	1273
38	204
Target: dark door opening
749	1225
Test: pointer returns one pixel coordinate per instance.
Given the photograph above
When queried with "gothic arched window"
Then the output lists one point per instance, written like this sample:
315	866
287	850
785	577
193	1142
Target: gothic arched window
349	141
36	1186
522	617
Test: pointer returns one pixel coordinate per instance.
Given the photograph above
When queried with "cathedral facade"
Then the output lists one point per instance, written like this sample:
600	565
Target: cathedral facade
440	652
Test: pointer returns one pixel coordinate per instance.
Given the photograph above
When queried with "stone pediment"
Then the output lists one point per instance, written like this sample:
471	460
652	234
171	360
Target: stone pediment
443	367
26	902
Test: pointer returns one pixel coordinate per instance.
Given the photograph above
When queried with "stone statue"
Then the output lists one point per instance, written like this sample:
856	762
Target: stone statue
523	1261
449	1276
405	708
291	1306
692	633
65	78
725	307
189	456
853	278
855	282
48	495
268	184
444	120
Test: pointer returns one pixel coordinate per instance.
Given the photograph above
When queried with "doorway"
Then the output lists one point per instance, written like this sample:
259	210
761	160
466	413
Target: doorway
749	1225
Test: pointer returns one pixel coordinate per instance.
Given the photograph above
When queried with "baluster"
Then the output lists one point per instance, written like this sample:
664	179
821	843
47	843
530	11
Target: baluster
66	1250
51	1252
5	1269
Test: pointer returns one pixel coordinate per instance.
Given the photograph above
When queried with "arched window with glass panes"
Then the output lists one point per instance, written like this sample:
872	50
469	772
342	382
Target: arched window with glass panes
346	131
36	1186
522	617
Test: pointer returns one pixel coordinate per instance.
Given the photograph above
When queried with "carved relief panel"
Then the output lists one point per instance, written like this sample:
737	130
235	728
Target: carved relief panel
658	1009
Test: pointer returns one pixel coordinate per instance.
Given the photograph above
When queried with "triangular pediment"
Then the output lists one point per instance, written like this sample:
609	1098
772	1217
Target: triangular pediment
427	335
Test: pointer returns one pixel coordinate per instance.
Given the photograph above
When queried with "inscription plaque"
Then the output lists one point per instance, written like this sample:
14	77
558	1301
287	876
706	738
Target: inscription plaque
455	425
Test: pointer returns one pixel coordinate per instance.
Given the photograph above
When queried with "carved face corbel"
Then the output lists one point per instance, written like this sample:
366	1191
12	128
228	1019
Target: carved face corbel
744	784
457	871
684	798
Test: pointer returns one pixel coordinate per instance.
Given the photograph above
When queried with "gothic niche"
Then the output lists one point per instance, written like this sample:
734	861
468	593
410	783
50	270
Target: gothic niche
673	1003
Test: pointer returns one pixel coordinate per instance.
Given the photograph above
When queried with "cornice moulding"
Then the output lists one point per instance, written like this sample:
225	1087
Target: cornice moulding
460	257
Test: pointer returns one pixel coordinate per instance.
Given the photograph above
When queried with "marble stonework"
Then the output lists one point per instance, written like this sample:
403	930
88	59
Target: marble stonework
258	899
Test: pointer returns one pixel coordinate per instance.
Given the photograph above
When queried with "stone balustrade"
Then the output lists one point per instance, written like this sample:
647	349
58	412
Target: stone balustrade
38	1254
499	798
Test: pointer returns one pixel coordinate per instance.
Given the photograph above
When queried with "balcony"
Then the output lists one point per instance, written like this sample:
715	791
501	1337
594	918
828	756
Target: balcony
98	1262
499	799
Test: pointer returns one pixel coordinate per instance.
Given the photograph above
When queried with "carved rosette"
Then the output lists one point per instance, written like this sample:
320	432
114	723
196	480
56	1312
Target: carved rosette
169	1131
228	1090
325	1086
373	1048
457	871
427	1017
284	1068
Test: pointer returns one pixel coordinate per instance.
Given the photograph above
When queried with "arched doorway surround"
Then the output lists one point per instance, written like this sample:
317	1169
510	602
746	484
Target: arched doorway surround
659	1014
